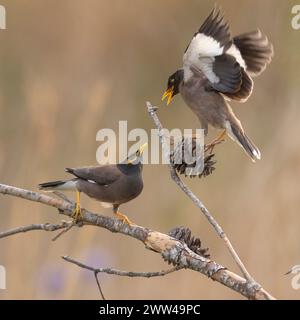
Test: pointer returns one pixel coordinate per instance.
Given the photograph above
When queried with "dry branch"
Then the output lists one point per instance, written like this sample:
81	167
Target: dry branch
172	250
33	227
121	273
193	197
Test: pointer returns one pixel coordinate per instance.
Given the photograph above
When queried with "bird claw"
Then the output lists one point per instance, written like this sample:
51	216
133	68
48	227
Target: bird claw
124	218
210	147
77	214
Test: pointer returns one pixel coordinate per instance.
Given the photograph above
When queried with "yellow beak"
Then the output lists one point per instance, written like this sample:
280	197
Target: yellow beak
168	94
142	148
138	153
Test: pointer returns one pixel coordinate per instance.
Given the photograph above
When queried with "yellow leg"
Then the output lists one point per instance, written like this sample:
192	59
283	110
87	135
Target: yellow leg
77	212
220	138
123	217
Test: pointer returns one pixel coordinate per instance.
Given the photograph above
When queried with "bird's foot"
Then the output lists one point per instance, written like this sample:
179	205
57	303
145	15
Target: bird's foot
210	147
77	214
123	218
219	139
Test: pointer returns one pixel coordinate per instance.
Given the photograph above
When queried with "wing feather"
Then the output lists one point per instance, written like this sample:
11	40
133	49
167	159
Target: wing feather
245	91
206	53
212	39
227	63
217	28
228	71
103	175
256	51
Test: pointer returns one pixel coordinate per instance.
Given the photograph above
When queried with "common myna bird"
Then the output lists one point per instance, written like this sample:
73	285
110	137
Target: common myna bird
112	185
216	68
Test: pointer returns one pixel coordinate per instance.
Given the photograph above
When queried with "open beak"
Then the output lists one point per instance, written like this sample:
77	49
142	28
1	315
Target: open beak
169	93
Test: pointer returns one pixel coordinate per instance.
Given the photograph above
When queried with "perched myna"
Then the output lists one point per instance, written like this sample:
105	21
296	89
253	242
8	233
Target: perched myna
112	185
216	68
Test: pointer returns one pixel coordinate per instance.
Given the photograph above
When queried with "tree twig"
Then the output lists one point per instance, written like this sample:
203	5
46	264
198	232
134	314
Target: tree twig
172	250
193	197
98	285
121	273
33	227
116	272
68	228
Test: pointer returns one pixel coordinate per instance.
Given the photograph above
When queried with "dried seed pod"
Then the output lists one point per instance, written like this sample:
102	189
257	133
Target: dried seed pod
184	234
188	148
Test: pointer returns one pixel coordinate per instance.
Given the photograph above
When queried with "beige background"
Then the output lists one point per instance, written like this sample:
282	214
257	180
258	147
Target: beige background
69	68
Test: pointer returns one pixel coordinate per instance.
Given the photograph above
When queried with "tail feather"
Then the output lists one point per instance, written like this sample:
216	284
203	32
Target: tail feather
50	185
237	134
58	185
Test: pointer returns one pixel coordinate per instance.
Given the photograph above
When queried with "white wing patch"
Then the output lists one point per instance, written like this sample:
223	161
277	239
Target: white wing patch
235	52
202	45
92	181
206	66
200	54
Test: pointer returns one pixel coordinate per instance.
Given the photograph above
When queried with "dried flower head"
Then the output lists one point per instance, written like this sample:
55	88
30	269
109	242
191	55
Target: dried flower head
179	150
184	234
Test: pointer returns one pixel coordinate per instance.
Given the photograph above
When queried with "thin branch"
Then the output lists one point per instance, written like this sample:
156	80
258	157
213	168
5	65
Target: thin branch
33	227
172	250
116	272
193	197
68	228
121	273
98	285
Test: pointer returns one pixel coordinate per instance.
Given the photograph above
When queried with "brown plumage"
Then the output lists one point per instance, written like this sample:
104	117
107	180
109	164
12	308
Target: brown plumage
112	185
216	68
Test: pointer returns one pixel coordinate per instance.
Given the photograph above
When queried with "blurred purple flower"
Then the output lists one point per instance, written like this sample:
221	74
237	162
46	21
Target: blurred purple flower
97	257
52	278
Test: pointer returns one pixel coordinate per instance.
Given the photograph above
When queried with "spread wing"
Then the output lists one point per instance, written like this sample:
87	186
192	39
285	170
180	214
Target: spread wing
103	175
207	53
253	52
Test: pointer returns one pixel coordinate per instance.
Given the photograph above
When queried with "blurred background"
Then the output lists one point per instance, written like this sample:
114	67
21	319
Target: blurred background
69	68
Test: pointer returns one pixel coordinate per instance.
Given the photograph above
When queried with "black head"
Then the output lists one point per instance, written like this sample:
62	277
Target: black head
173	85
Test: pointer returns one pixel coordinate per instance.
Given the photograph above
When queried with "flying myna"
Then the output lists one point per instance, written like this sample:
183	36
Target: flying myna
216	68
112	185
